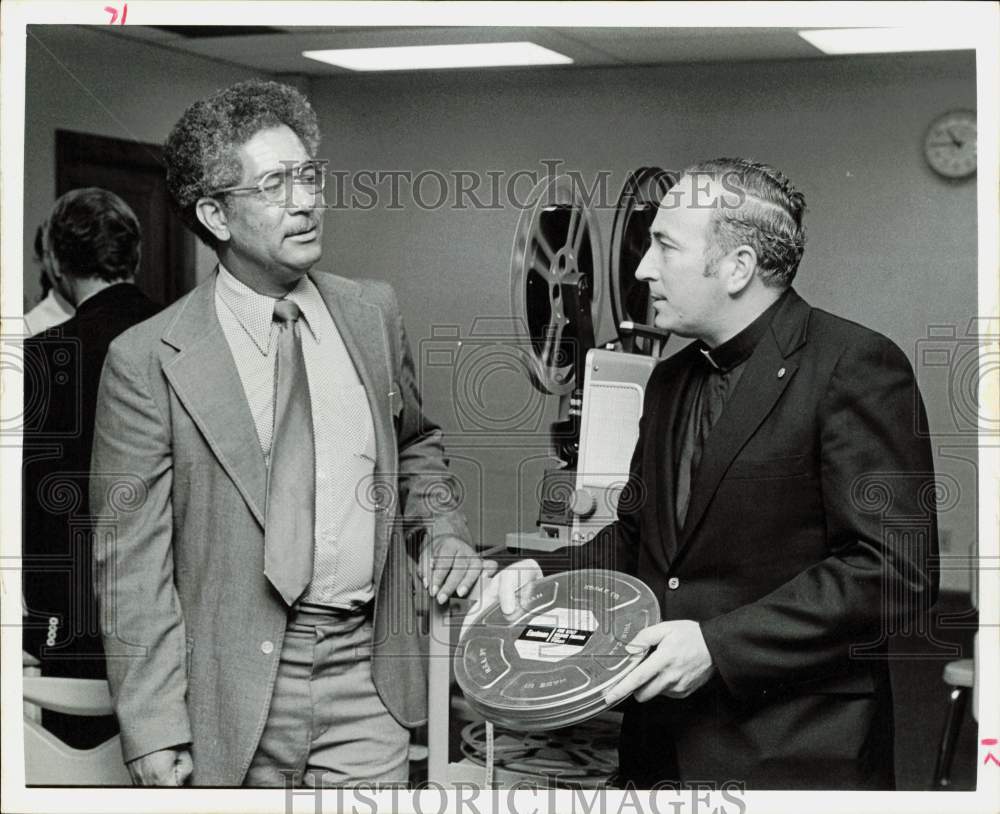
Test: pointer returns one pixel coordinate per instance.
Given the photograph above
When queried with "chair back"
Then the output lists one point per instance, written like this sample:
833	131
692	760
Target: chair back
50	762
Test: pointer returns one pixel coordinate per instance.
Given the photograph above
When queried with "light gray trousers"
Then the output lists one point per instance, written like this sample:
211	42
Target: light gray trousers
327	725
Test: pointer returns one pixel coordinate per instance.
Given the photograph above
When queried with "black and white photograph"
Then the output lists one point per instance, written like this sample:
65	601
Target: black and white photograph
510	407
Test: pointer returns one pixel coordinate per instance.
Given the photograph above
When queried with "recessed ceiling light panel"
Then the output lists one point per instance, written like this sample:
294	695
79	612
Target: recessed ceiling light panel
424	57
887	40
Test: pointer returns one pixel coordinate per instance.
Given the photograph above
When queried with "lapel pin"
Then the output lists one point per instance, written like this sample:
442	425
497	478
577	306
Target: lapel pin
781	373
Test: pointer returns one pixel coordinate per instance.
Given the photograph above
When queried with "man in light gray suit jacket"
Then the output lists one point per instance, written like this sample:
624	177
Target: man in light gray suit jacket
260	463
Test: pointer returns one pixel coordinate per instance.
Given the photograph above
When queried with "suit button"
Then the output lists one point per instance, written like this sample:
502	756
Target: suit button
267	648
673	583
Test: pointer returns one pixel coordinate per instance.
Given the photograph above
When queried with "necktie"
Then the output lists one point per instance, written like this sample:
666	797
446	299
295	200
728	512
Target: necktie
291	491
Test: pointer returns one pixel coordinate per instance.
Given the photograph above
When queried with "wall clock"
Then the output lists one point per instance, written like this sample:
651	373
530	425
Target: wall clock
950	144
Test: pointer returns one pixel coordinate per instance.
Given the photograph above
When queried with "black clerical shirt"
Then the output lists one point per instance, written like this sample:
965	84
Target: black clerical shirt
709	388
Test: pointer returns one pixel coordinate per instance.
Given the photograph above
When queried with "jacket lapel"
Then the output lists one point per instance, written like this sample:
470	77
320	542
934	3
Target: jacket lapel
768	372
205	379
362	327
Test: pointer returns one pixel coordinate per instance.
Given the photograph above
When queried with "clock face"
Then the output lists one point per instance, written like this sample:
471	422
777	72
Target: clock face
950	144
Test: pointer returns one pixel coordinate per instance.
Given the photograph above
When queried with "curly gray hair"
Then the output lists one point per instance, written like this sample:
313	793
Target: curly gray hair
201	150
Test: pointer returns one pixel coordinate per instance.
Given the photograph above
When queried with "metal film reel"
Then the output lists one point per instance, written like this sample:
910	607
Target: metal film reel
556	281
585	756
551	667
634	213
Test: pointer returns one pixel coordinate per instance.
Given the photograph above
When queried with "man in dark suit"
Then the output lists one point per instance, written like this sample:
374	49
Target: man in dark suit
92	247
780	505
52	309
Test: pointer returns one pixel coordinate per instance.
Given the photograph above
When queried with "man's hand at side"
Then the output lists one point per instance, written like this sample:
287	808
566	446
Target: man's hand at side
678	666
449	565
167	767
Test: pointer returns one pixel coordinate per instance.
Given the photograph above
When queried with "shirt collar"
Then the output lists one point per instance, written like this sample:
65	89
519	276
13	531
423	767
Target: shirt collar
737	350
255	311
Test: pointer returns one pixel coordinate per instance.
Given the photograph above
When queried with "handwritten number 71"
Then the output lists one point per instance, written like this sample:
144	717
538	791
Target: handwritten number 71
114	14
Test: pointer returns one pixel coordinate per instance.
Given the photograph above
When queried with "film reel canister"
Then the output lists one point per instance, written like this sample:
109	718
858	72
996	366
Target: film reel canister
551	666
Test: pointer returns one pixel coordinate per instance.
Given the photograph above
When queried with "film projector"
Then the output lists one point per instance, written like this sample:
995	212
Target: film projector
549	669
556	287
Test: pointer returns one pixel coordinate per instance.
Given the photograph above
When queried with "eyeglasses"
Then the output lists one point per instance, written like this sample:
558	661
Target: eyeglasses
276	186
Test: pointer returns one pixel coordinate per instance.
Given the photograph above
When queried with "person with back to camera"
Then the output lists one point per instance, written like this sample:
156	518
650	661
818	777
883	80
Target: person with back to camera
91	249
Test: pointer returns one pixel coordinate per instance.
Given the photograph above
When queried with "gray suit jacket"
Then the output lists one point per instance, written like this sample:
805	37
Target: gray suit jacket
193	629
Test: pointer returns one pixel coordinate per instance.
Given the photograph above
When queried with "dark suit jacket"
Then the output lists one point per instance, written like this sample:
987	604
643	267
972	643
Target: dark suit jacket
807	540
62	371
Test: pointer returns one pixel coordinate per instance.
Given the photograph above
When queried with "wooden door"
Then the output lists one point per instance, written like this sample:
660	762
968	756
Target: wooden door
134	171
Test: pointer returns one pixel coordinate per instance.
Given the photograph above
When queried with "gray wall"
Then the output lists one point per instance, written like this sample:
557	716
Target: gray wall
86	80
890	245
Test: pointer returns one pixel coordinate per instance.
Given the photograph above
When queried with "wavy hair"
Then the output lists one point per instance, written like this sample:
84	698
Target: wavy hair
768	217
92	232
